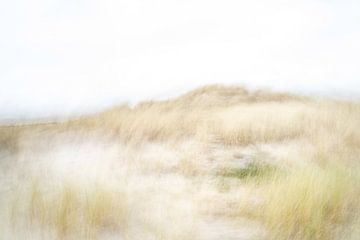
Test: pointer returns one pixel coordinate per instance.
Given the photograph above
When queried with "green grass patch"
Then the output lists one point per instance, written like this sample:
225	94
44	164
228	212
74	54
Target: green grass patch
254	170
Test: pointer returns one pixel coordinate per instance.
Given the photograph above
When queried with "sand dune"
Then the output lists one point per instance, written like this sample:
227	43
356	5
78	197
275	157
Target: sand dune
216	163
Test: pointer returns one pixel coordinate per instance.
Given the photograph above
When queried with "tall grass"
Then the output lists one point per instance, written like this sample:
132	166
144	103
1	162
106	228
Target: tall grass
311	203
72	211
305	187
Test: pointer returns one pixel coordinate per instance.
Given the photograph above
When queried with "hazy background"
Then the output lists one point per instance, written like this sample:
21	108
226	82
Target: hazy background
59	57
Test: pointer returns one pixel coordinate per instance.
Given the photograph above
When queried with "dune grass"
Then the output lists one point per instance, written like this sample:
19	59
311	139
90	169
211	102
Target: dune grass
312	203
306	186
69	209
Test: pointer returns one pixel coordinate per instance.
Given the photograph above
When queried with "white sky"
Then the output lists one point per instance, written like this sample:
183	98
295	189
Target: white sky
66	56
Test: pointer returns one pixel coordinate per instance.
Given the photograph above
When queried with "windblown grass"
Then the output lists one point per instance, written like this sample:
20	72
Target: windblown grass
306	186
312	203
70	211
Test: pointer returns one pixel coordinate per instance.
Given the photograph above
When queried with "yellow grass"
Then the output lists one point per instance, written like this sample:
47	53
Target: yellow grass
311	203
161	169
70	211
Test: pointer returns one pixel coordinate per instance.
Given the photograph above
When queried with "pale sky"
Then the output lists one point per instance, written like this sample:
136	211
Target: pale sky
66	56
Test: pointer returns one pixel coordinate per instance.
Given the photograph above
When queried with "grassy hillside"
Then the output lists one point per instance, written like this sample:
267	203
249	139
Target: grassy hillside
251	165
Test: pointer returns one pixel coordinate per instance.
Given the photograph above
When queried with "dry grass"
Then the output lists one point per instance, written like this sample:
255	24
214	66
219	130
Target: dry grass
311	203
160	179
68	209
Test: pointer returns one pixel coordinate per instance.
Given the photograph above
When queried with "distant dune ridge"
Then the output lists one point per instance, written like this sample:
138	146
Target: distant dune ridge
215	163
